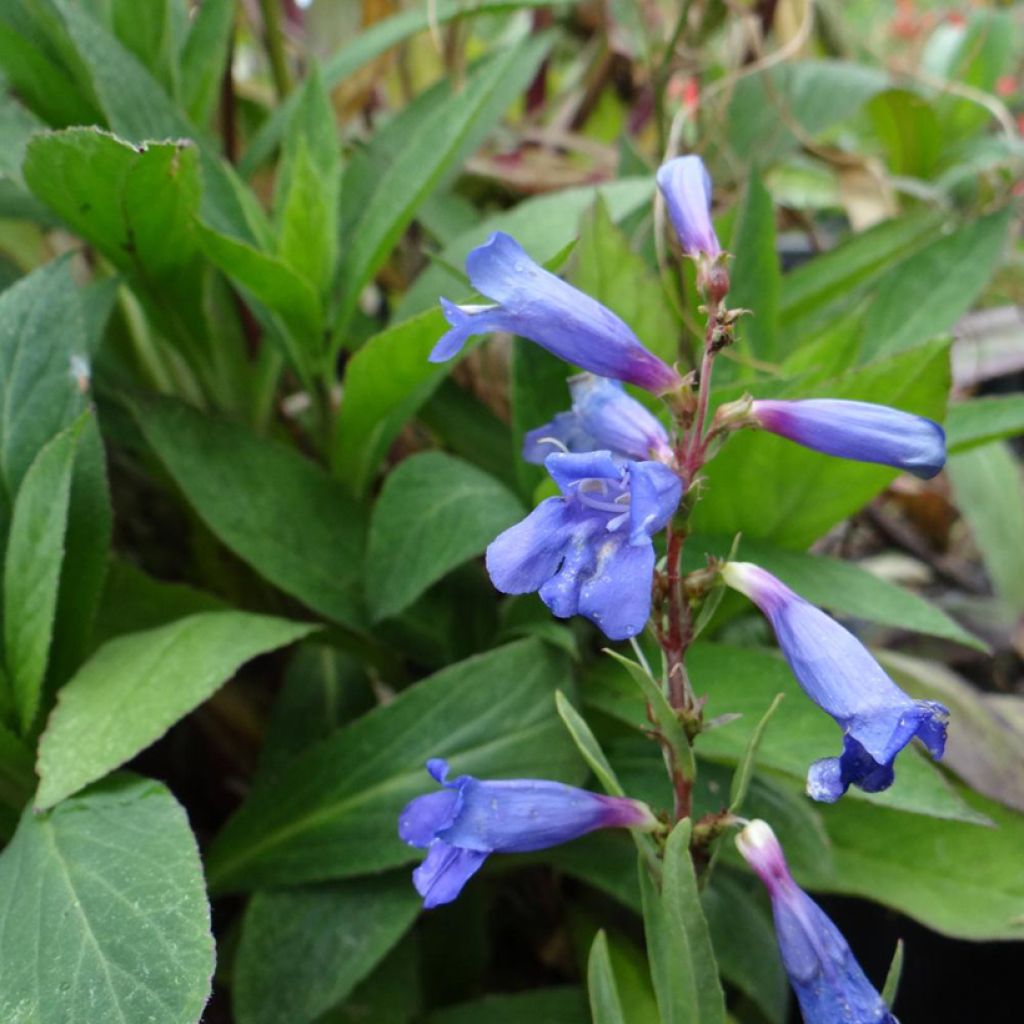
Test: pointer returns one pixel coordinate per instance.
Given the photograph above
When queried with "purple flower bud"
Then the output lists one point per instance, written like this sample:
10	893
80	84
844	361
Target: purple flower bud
590	551
829	983
841	677
471	818
536	304
603	417
858	430
686	186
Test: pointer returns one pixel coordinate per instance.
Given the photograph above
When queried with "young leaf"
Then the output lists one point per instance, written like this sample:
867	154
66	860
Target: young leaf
588	746
106	914
35	553
331	812
605	1006
134	688
745	767
303	950
278	511
434	512
892	977
687	925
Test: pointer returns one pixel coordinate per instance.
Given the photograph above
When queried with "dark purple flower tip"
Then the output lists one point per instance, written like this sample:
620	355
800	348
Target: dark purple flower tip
686	186
858	430
589	552
839	674
829	984
470	818
537	305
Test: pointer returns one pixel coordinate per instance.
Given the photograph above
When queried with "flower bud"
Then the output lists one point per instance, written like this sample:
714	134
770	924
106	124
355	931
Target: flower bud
686	186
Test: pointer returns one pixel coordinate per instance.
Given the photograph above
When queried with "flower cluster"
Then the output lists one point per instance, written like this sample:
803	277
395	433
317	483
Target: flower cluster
591	551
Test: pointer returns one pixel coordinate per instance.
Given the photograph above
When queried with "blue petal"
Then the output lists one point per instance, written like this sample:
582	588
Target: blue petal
686	186
565	431
444	871
426	816
520	815
617	595
562	319
569	469
858	430
615	420
561	591
467	321
522	558
655	492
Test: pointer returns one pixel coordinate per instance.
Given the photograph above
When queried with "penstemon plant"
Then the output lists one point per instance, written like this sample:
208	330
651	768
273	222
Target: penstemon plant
624	480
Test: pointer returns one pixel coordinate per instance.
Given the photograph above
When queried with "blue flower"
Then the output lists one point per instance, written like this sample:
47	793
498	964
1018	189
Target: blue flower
858	430
686	186
841	677
471	818
589	552
535	304
829	983
603	417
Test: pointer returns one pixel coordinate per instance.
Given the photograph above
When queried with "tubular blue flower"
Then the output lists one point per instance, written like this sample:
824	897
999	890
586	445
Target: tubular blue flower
471	818
536	304
603	417
686	186
590	552
858	430
829	983
839	674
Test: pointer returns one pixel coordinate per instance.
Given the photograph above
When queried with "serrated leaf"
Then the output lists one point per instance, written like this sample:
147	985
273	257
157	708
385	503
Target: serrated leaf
106	917
134	688
434	512
278	511
302	951
35	553
331	812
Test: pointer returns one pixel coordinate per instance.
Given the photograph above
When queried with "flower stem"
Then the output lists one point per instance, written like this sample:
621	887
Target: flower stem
274	40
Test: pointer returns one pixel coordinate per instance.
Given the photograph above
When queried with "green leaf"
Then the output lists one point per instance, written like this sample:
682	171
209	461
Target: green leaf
909	130
543	225
607	268
309	241
605	1006
745	681
745	767
892	977
331	813
689	928
106	916
973	887
990	495
756	277
35	553
563	1005
276	510
203	57
814	94
86	556
147	32
386	381
302	951
845	588
40	332
369	44
17	779
814	294
434	512
134	688
587	745
441	139
981	420
768	488
927	293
